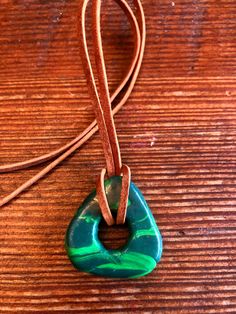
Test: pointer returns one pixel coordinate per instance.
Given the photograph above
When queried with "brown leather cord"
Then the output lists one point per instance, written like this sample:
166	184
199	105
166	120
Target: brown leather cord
101	106
124	195
136	61
104	89
102	199
127	84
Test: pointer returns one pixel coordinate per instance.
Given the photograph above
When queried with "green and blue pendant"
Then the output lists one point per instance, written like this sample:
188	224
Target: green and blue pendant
136	258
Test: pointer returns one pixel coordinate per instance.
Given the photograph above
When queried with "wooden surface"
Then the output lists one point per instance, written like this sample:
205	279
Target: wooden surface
177	132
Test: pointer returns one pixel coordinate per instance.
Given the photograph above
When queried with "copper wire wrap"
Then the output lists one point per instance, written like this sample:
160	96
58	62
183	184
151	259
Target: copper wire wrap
103	107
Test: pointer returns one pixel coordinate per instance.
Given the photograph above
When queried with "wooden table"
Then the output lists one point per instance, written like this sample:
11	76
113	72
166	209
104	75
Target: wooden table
177	132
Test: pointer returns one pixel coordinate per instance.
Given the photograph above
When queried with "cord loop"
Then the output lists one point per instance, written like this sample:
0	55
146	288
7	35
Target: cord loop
124	195
118	98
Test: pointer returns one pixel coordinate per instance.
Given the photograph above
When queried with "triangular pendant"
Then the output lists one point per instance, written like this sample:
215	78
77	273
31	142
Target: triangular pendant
136	258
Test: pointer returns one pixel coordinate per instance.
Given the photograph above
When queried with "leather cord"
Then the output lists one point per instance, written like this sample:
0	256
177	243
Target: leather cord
100	100
104	114
124	195
102	199
131	75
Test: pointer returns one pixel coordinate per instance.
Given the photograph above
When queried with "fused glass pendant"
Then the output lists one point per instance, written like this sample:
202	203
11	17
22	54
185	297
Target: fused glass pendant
136	258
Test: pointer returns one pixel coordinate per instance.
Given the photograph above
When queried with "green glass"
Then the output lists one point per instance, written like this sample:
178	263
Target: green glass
136	258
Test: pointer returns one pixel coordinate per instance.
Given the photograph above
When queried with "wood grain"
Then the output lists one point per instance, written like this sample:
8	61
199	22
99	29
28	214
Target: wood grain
177	133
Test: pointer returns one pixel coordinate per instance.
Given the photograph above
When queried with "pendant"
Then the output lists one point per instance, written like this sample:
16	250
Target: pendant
136	258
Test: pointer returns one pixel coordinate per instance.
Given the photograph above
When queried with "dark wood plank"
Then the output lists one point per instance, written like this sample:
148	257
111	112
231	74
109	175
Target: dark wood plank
177	132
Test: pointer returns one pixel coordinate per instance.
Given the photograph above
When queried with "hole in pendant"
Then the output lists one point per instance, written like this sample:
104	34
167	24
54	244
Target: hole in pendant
113	237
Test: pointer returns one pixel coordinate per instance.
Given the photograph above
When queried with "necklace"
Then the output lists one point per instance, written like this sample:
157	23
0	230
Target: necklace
115	196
